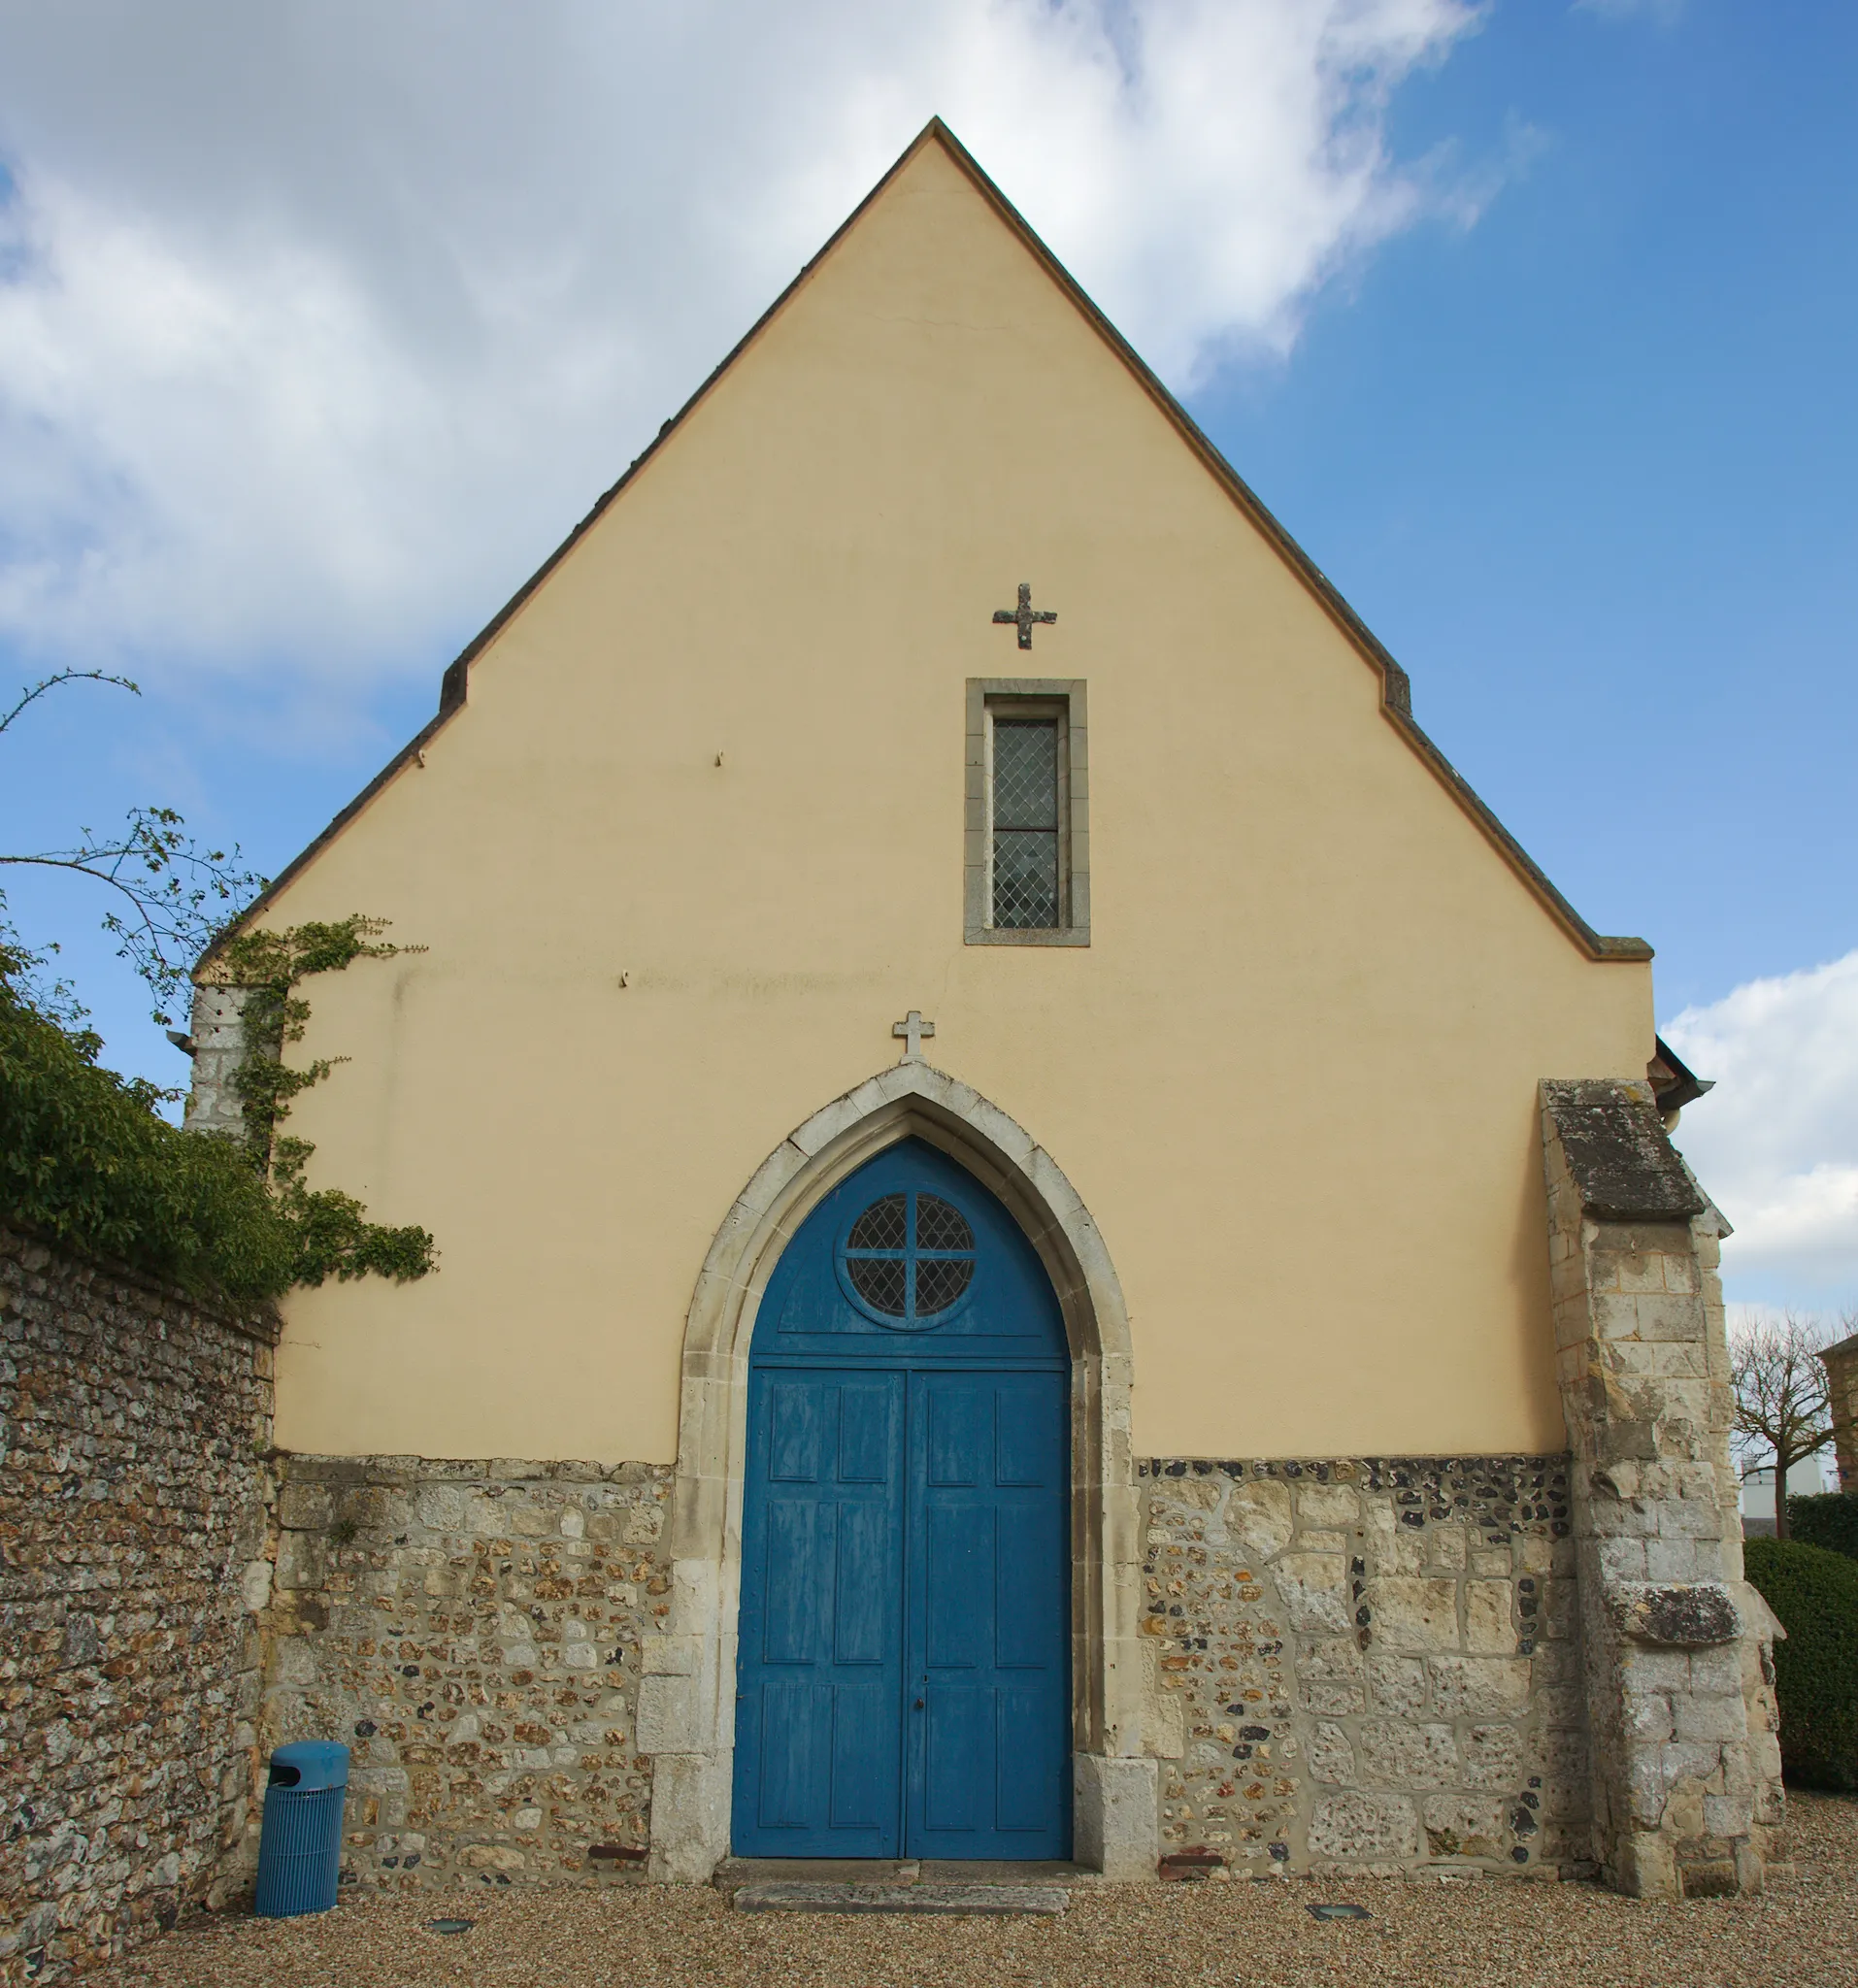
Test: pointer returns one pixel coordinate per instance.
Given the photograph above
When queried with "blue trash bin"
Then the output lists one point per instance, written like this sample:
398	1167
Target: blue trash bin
300	1846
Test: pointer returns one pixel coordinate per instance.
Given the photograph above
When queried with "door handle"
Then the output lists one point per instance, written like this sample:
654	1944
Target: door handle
920	1705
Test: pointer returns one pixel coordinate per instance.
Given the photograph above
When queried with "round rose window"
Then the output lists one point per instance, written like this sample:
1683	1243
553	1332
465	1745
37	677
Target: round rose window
909	1257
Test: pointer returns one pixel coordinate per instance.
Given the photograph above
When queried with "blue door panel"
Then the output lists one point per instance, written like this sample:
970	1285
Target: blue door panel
790	1621
796	1431
1030	1763
903	1681
819	1668
960	1434
958	1739
1029	1440
790	1734
862	1788
867	1432
864	1608
1022	1589
989	1615
959	1553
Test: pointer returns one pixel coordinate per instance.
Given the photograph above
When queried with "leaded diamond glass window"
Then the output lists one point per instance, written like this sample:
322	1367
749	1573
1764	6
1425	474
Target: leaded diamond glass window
1026	825
882	1283
940	1225
910	1256
883	1225
939	1282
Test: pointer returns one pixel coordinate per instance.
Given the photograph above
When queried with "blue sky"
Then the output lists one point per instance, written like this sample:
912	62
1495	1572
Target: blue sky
1585	465
1532	324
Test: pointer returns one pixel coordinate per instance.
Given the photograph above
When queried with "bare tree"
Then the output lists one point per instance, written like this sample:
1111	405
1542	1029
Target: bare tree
1784	1407
171	894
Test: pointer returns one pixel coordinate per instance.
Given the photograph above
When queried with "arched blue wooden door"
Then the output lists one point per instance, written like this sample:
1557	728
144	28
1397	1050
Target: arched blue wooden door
903	1669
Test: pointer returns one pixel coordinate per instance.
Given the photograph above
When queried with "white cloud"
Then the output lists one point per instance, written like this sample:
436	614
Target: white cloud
1777	1141
320	322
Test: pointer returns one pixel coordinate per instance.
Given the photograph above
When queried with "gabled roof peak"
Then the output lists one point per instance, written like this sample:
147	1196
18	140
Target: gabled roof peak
1395	687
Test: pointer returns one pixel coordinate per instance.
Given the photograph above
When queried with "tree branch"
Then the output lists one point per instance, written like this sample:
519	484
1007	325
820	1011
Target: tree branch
38	690
180	895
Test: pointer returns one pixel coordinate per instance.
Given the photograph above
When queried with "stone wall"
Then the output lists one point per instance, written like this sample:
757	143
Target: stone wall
132	1426
1367	1664
472	1631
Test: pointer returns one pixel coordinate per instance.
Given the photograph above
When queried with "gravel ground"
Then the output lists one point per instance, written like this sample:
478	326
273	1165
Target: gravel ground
1803	1931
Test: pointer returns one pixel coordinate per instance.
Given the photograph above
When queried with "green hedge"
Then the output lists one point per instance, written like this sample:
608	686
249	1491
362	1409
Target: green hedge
86	1160
1828	1519
1815	1595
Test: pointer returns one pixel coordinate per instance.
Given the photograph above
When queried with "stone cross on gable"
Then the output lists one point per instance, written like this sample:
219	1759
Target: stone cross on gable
1024	616
913	1028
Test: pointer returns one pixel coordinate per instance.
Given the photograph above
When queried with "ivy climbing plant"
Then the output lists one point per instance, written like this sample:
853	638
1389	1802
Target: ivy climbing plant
334	1237
87	1160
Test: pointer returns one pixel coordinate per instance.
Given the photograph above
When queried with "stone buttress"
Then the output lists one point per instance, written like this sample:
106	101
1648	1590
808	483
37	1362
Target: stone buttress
1840	1363
1677	1649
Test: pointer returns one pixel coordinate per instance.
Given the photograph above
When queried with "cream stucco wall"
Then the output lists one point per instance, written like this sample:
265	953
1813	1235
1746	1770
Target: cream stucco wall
1293	1076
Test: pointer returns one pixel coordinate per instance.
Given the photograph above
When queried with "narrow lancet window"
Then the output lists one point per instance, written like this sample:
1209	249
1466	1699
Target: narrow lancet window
1026	839
1027	875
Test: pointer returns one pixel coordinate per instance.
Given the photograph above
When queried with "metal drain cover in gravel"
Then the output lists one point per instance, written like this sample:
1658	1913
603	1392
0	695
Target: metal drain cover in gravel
1340	1912
994	1899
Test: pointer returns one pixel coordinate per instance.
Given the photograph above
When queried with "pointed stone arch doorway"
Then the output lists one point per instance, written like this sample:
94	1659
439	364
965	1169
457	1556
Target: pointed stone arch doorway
686	1715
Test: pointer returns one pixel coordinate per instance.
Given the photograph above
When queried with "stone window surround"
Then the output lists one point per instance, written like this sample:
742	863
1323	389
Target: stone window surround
1040	694
686	1706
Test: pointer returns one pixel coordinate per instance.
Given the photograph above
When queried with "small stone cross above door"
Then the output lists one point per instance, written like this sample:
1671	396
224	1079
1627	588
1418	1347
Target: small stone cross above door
1024	616
913	1029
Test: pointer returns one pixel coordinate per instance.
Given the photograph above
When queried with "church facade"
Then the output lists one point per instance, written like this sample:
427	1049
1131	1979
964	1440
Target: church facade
1053	1245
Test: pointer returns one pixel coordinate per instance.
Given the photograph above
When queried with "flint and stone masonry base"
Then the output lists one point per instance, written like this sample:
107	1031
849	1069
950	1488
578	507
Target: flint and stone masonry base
133	1422
472	1631
1367	1664
1362	1664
